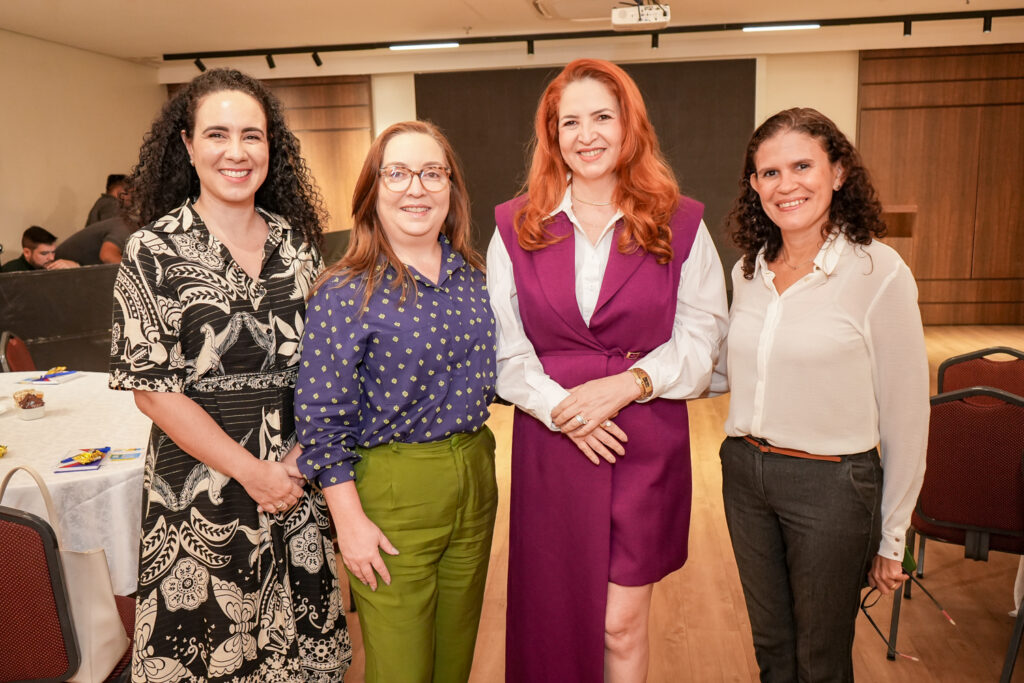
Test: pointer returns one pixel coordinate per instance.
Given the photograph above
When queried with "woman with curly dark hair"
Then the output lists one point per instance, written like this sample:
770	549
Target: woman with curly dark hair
237	575
826	361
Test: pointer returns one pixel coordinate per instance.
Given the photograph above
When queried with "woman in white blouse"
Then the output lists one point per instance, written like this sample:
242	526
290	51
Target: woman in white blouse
610	303
826	361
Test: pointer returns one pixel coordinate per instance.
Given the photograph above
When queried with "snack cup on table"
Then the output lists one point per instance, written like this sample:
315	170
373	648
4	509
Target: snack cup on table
29	404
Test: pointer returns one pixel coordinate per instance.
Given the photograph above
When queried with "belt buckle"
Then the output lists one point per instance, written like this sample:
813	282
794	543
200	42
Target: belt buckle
633	355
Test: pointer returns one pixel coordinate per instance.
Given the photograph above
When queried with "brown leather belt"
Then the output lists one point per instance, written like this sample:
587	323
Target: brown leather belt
764	447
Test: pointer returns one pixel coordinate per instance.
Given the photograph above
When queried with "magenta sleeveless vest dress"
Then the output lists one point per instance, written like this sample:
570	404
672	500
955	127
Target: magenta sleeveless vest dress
575	526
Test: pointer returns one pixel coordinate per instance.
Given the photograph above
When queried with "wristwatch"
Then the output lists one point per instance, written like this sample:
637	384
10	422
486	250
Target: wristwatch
643	380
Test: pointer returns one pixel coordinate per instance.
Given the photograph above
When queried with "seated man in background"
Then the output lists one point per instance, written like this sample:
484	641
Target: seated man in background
38	249
97	243
109	203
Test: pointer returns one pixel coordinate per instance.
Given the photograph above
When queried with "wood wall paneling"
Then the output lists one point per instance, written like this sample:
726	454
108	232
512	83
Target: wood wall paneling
943	128
951	291
296	94
939	178
942	94
938	67
332	117
972	314
335	158
999	222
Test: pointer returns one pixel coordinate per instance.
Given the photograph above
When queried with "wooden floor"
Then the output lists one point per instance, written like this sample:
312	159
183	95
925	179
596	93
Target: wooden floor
699	626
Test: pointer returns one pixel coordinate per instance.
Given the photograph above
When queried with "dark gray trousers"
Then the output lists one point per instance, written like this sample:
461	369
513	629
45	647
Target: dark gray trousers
804	533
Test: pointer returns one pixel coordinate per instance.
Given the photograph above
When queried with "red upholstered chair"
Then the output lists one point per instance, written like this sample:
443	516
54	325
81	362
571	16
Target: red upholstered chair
36	635
977	369
14	355
37	638
973	491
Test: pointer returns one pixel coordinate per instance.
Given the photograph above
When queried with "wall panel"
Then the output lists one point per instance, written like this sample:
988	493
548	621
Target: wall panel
999	222
922	174
942	130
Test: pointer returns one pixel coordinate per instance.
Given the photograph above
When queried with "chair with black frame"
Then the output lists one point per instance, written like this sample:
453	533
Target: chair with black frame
978	369
14	354
973	491
37	634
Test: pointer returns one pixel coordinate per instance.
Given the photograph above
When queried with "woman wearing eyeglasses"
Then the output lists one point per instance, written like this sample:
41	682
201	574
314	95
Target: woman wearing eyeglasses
397	371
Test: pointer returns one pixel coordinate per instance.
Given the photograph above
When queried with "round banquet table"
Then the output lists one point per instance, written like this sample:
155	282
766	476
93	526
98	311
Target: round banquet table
101	508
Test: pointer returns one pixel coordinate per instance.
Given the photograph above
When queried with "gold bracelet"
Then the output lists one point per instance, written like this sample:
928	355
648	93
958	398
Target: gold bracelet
643	380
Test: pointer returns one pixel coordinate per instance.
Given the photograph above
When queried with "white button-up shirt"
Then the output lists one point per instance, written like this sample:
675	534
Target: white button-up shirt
836	364
680	368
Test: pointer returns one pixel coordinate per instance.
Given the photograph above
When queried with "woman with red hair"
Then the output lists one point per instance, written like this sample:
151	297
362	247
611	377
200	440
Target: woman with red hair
610	303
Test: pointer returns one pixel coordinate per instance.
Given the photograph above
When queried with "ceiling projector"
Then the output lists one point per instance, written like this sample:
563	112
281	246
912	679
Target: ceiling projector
641	17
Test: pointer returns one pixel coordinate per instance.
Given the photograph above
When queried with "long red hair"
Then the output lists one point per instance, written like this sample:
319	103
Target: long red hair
369	248
646	192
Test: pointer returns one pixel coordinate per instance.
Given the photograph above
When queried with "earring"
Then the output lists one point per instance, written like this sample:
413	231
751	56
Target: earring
836	186
192	162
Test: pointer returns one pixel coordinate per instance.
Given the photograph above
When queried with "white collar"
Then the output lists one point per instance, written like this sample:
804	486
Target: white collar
825	261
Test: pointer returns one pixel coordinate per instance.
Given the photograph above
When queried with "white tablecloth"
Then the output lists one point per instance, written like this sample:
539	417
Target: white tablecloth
102	508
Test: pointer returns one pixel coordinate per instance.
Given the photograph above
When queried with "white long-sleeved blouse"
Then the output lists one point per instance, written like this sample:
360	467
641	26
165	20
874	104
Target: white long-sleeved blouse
836	364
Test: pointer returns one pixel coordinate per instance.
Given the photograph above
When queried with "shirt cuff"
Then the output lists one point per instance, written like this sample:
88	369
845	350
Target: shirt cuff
328	474
551	397
893	546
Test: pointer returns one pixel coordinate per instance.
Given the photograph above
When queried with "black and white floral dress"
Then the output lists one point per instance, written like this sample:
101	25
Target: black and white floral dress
225	593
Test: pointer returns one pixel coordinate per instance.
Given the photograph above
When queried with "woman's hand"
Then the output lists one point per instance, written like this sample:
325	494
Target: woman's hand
359	540
595	401
292	457
272	484
886	575
604	441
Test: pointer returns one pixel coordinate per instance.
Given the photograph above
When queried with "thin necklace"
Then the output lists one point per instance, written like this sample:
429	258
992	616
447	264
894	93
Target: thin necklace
799	265
584	201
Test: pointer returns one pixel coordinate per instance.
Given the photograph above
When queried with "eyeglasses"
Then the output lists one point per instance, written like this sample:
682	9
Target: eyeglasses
865	605
399	178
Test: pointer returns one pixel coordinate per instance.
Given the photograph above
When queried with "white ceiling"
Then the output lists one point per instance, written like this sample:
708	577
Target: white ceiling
146	29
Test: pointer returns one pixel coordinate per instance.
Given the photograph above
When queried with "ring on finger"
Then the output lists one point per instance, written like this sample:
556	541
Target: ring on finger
606	424
581	420
281	505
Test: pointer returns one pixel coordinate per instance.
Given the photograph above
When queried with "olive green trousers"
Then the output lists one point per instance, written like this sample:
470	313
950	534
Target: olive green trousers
436	503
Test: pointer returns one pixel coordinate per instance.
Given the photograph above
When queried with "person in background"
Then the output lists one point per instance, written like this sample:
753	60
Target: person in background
97	243
611	308
237	574
826	359
396	377
38	251
109	204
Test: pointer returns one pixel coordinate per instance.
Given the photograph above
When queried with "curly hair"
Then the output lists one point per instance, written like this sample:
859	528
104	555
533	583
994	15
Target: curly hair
855	208
646	192
163	178
368	244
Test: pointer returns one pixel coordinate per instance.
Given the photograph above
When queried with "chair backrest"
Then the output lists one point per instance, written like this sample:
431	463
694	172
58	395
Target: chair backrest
37	638
974	480
14	355
976	369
